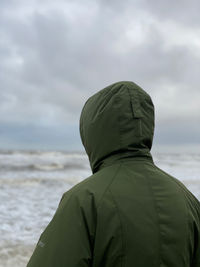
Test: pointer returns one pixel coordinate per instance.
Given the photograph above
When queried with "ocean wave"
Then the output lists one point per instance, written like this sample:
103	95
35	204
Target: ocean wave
47	180
41	152
13	254
41	167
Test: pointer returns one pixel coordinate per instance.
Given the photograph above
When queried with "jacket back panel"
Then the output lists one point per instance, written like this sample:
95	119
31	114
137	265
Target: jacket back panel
144	219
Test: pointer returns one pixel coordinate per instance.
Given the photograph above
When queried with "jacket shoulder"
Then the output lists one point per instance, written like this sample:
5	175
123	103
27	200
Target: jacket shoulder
191	199
93	186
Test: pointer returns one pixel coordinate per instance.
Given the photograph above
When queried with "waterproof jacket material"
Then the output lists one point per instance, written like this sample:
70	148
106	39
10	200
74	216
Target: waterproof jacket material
129	212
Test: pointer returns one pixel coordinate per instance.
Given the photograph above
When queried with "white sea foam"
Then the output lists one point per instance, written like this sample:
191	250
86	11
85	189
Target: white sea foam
32	183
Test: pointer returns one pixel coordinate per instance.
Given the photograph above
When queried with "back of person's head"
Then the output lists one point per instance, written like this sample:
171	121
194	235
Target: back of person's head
119	119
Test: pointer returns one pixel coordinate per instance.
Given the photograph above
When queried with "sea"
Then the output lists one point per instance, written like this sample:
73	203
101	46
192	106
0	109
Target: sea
32	184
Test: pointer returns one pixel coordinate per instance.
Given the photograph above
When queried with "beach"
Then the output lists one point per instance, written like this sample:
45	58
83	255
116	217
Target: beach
32	184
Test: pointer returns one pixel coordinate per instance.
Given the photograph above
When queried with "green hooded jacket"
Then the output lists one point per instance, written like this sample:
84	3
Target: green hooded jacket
129	212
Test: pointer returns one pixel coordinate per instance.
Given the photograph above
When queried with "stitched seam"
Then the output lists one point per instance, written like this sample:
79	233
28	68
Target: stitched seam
122	236
100	201
130	101
119	120
180	186
156	209
183	188
138	132
108	97
185	201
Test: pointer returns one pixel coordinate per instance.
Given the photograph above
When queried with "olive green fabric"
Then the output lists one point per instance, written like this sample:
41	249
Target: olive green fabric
128	213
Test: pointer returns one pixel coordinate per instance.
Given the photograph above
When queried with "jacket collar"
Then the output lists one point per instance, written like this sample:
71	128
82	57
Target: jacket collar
124	156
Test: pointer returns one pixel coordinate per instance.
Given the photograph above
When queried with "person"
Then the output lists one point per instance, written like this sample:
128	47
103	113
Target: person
129	212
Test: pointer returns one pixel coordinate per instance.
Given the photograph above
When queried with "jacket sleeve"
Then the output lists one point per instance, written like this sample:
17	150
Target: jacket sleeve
68	239
196	233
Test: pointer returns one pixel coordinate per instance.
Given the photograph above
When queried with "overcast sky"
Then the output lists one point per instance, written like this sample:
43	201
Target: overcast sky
55	54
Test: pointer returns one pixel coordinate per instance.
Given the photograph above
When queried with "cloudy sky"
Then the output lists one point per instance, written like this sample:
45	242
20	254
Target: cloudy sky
55	54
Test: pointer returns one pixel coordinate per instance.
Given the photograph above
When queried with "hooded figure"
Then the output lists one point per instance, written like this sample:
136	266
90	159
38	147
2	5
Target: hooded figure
128	213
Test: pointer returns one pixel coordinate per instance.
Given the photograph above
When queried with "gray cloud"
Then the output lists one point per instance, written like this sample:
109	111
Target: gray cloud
181	11
54	55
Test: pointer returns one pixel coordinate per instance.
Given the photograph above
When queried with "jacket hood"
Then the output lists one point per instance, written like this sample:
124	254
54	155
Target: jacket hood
117	123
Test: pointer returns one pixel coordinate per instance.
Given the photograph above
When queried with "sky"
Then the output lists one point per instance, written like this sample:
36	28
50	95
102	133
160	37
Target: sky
55	54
